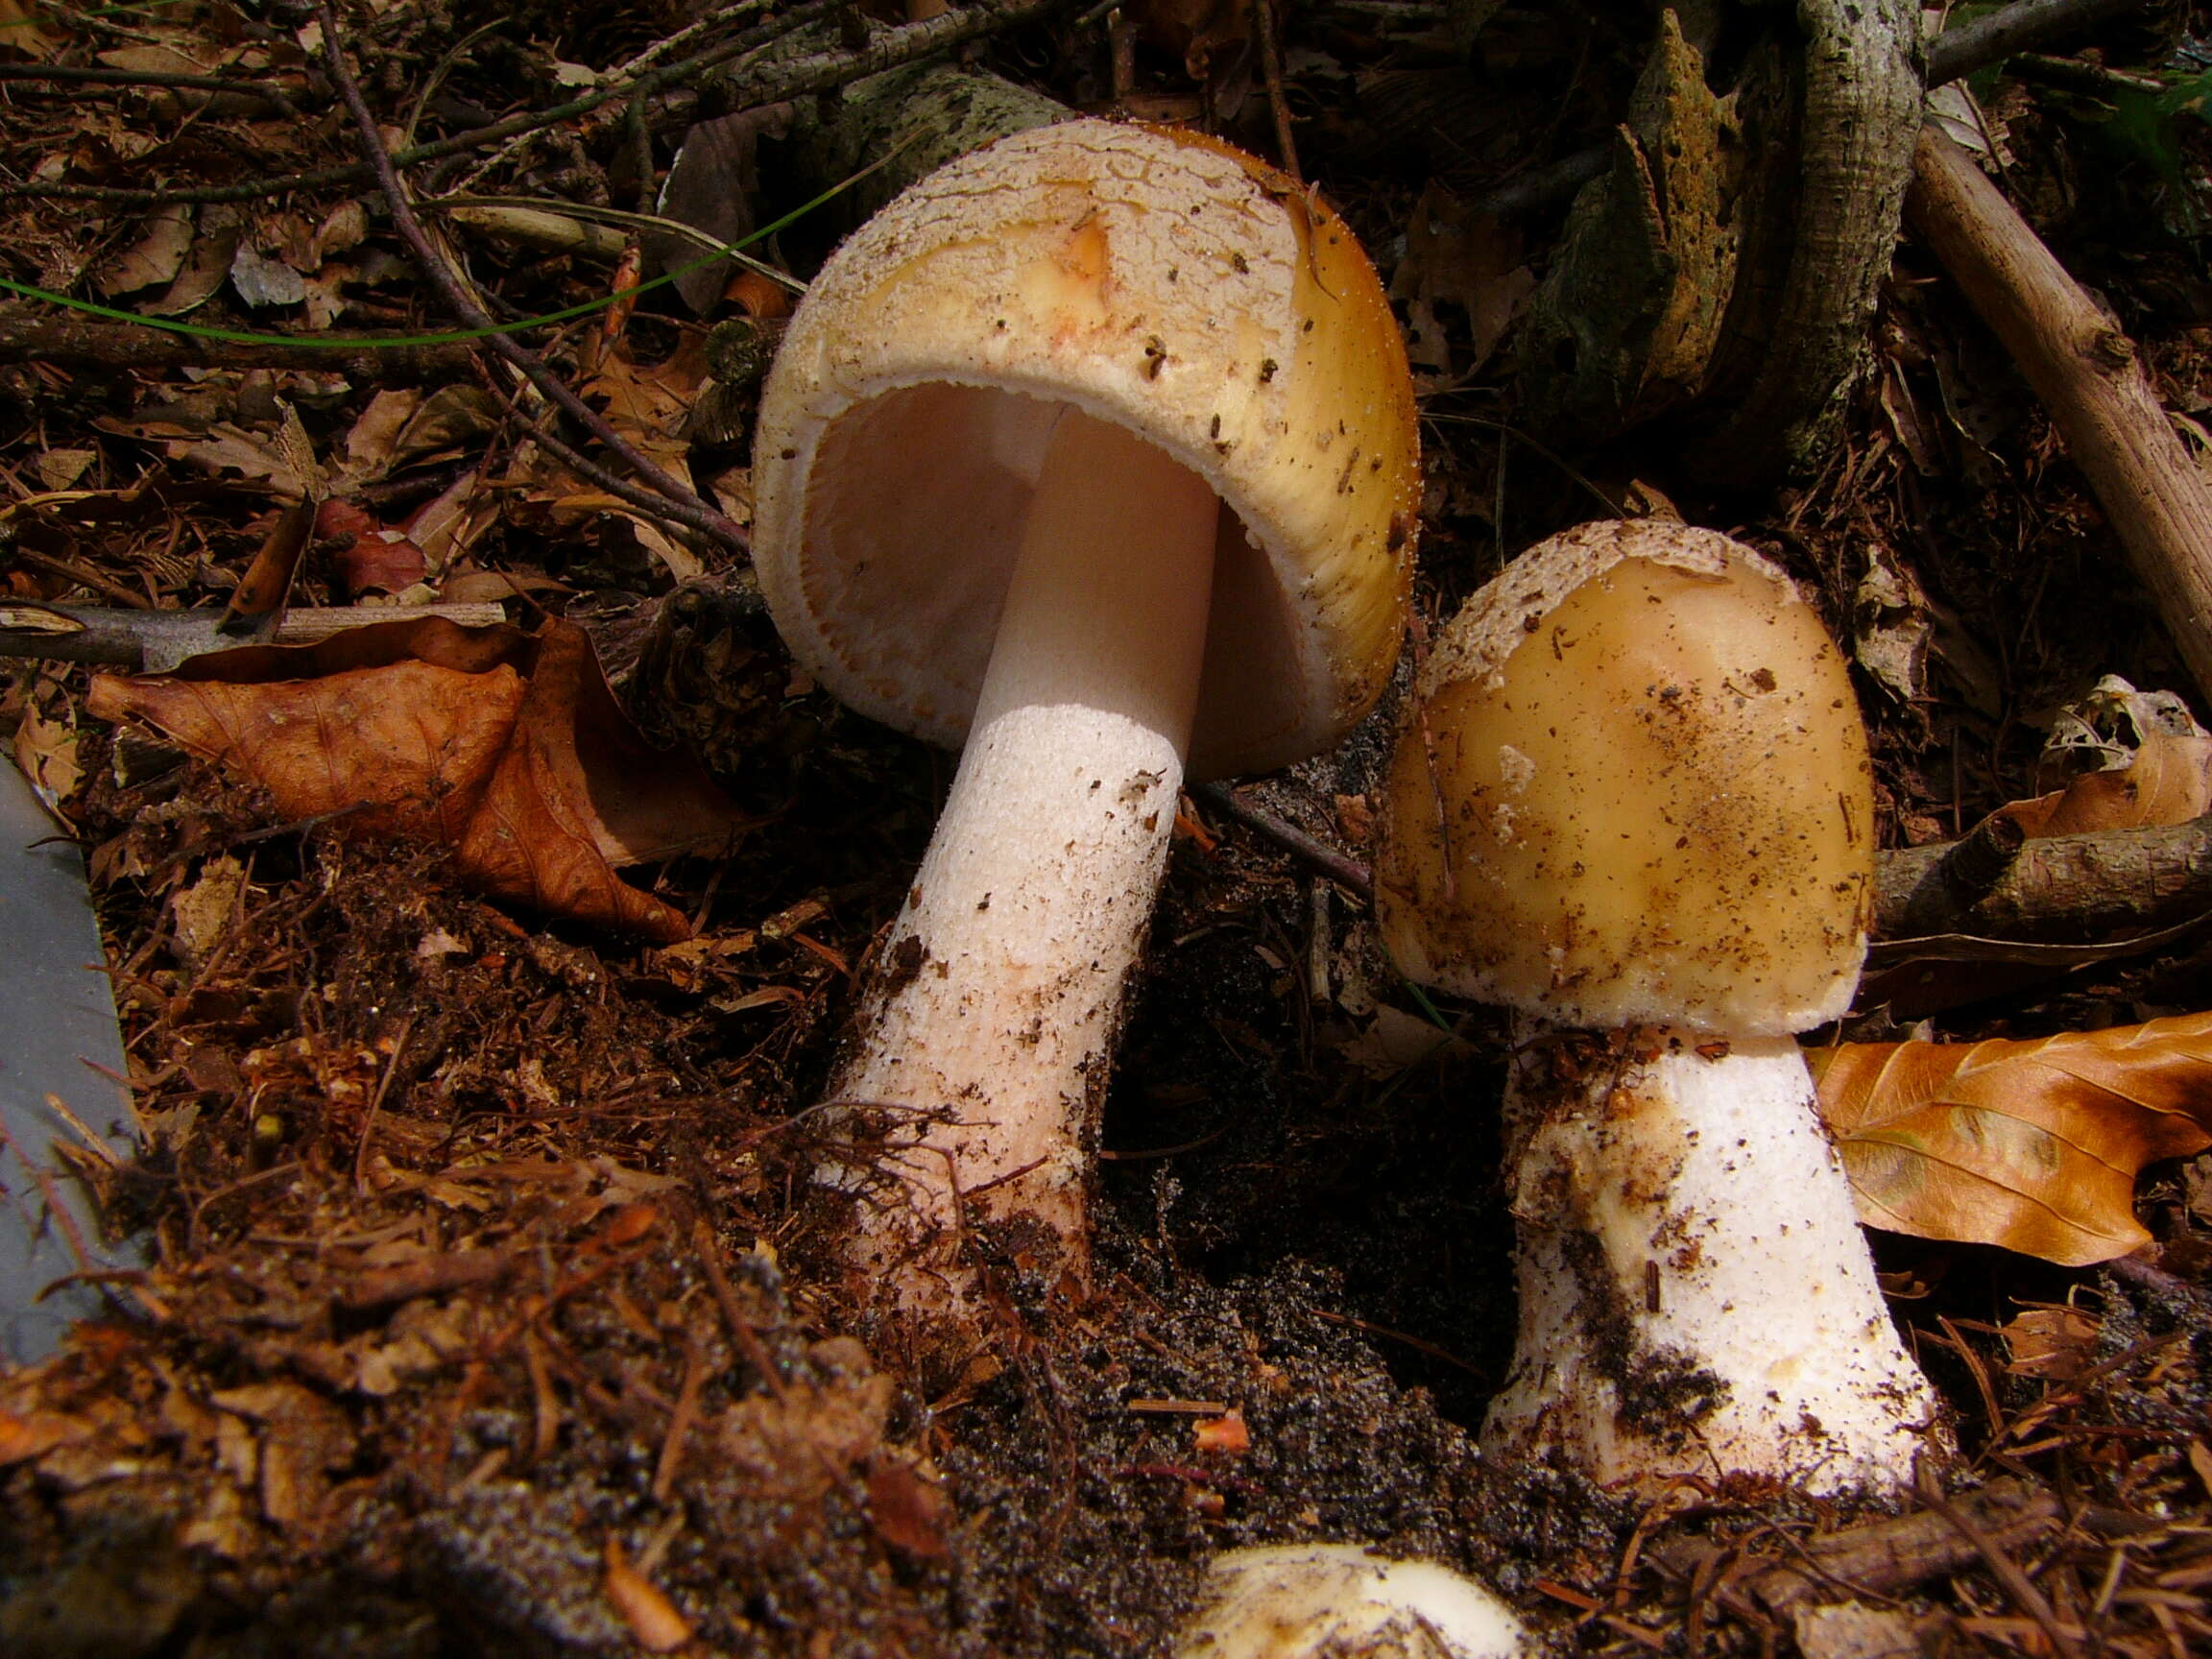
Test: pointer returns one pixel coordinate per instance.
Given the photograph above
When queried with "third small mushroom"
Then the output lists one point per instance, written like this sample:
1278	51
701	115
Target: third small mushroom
1633	802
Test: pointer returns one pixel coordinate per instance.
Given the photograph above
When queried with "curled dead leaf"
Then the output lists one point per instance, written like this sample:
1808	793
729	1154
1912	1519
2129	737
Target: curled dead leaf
2033	1145
2170	781
2151	765
504	746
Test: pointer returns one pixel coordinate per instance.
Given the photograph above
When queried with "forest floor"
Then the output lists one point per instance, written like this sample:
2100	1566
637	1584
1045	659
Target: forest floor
480	1310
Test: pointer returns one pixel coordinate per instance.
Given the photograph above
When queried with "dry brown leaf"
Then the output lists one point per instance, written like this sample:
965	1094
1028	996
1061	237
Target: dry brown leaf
505	747
19	32
2058	1343
1454	256
365	556
2033	1146
165	239
908	1508
1196	31
2168	782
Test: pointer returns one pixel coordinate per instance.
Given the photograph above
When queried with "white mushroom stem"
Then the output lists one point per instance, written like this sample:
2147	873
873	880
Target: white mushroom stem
991	1042
1696	1294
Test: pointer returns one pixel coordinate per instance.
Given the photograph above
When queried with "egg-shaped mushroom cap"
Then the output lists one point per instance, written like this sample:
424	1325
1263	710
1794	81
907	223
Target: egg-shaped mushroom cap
1634	790
1160	279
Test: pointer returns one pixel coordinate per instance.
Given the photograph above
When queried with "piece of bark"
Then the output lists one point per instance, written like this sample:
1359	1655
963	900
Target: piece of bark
1879	1558
1805	339
2088	374
2061	889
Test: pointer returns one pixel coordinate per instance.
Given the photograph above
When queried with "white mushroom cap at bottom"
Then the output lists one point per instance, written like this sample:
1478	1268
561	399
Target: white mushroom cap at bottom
1338	1601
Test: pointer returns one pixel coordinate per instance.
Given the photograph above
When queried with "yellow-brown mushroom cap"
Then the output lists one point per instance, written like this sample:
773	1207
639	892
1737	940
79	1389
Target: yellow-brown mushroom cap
1158	279
1635	790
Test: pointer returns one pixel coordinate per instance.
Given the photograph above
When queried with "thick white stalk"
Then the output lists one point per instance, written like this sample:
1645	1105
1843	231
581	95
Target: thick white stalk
1696	1294
991	1037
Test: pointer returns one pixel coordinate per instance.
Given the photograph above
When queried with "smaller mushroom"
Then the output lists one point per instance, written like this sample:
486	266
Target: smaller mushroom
1094	452
1338	1601
1635	798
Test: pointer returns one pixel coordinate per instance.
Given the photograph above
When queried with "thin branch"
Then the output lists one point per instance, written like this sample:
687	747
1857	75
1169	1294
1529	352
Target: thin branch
61	74
681	504
88	341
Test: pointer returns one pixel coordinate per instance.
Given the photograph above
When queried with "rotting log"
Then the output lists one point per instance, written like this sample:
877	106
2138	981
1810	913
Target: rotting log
2090	376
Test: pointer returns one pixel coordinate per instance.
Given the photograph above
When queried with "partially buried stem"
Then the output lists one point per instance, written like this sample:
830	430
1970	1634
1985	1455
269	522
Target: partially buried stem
989	1035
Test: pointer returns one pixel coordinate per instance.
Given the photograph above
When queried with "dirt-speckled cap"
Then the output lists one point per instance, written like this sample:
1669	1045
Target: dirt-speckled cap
1635	791
1159	279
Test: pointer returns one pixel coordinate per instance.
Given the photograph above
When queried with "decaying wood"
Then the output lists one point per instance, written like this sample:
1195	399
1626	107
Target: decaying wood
1878	1559
2062	889
2087	373
1862	98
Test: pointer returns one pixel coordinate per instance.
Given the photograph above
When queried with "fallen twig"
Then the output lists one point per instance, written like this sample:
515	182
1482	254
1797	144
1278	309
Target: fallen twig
679	503
2061	889
2089	375
155	641
1885	1557
86	75
2017	1584
72	340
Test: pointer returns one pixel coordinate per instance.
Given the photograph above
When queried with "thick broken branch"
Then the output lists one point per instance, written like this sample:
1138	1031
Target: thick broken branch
2061	890
2089	375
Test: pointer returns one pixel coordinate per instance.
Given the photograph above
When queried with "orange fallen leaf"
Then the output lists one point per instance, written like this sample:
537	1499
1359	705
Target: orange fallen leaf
653	1619
35	1433
505	746
2033	1146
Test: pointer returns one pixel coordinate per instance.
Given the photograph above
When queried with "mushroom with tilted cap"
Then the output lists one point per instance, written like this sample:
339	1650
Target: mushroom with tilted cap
1634	797
1095	451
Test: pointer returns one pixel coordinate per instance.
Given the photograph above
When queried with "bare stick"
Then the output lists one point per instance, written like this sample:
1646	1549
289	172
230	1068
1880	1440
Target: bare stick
86	342
681	503
2060	889
2089	375
2020	27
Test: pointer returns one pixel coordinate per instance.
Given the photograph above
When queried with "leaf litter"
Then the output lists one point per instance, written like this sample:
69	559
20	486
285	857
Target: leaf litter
485	1308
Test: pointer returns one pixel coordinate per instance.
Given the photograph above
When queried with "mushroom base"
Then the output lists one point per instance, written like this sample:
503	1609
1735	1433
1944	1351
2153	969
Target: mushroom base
1696	1294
